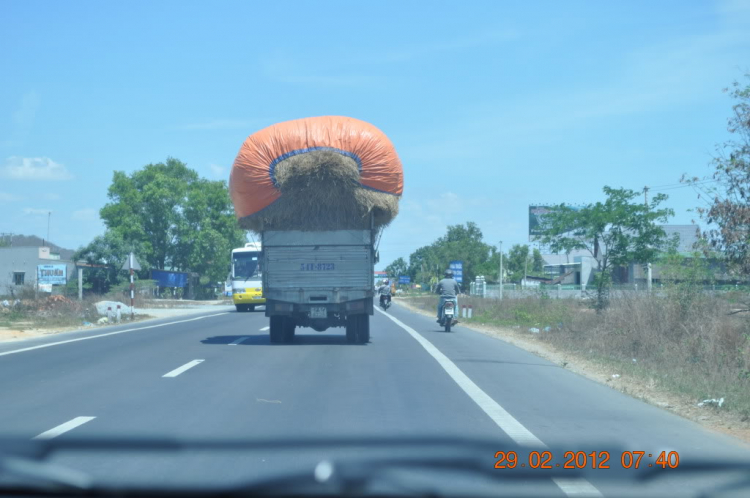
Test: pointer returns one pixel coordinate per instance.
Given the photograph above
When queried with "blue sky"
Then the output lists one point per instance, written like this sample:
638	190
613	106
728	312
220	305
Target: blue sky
492	106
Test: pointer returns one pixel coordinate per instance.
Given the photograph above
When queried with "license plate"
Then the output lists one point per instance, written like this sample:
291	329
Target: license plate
318	312
449	311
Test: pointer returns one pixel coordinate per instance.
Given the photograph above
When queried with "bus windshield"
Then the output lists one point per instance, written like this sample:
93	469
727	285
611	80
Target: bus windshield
245	265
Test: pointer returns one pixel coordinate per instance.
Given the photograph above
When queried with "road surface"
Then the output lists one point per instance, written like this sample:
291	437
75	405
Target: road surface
215	375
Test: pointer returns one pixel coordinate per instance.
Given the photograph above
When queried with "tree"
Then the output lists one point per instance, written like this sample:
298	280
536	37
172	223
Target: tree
460	243
396	269
108	250
615	232
537	264
518	262
172	219
207	231
729	202
145	209
521	261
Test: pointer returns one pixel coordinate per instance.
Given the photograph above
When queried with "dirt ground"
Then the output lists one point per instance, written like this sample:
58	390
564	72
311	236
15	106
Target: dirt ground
648	391
20	331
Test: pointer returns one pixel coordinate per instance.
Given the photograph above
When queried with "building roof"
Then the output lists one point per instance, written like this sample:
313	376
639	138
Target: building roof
34	241
688	236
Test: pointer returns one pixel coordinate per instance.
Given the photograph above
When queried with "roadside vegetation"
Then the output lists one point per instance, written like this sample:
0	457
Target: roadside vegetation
683	335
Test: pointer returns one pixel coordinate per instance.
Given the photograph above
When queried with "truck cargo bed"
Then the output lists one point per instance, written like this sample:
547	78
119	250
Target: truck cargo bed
328	267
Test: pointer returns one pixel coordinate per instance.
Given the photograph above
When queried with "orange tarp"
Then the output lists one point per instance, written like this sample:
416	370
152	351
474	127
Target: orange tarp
252	185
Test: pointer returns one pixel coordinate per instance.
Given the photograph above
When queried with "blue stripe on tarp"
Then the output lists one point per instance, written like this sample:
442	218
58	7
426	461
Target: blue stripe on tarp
272	167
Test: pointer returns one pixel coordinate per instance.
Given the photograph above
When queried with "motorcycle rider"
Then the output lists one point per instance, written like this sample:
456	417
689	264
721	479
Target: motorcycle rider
446	288
385	292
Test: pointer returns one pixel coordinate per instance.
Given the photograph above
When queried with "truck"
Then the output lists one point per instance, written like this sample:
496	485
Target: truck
319	279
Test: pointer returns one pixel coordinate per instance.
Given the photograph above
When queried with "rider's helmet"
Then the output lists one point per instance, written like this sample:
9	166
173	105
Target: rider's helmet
448	273
386	282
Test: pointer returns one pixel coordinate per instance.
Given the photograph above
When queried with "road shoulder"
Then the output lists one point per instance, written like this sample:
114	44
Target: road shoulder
708	417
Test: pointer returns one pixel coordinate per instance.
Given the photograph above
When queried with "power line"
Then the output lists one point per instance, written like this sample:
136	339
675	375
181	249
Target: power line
686	185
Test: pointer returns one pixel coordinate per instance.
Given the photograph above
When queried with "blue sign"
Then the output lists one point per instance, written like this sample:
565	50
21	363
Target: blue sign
404	279
169	278
52	274
458	270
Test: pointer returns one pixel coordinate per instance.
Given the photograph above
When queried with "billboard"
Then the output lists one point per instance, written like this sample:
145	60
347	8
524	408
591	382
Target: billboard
404	279
52	274
166	278
536	215
458	270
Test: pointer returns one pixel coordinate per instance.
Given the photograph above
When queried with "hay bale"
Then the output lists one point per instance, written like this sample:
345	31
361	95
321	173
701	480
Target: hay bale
320	173
321	190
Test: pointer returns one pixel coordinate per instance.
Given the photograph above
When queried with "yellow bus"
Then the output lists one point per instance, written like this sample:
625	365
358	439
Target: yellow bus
247	284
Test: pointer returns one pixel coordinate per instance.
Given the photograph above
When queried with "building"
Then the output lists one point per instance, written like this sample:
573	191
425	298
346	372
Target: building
578	267
39	267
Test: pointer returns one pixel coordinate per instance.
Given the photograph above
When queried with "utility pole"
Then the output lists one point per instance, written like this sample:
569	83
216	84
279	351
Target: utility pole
501	270
525	269
648	265
132	289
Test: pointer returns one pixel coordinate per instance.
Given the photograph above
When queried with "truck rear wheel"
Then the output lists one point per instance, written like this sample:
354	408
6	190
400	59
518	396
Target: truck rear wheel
277	329
288	327
358	329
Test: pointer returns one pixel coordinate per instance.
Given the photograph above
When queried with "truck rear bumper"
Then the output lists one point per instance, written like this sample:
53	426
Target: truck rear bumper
335	313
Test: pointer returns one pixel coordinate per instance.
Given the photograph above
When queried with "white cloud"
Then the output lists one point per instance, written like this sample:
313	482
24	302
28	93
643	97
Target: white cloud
36	211
88	214
34	168
6	197
218	172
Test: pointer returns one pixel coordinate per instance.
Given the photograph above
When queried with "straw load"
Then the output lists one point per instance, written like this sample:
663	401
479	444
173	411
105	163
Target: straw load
324	173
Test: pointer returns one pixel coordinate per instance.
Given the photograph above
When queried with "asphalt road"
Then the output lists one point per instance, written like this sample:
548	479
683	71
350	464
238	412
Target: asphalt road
216	376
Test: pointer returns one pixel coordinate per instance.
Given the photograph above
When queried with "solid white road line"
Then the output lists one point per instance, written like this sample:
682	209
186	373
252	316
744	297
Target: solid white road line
239	341
186	366
498	414
264	329
63	428
107	334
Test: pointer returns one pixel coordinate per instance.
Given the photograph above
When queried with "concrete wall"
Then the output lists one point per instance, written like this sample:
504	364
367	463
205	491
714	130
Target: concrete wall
26	259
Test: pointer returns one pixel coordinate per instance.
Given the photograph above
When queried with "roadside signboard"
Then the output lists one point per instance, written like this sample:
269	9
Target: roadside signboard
166	278
404	279
458	270
52	274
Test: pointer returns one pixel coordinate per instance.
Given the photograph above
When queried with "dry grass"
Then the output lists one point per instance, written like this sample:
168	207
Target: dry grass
321	191
684	343
50	311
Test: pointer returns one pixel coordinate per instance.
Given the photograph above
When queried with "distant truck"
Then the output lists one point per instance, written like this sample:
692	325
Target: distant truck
320	280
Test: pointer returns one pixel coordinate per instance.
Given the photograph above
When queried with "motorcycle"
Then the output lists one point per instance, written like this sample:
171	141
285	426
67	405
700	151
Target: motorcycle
448	313
385	302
